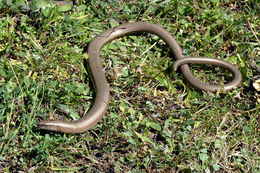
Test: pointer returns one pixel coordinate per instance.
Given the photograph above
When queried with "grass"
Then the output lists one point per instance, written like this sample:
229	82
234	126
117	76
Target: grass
155	122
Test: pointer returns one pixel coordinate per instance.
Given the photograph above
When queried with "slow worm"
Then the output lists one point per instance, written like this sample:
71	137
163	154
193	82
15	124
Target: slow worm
102	88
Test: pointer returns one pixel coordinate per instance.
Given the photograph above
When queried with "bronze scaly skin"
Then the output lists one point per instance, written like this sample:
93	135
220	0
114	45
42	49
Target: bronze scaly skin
102	88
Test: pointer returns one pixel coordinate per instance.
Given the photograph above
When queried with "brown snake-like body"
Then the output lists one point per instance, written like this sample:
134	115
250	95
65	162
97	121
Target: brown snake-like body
102	88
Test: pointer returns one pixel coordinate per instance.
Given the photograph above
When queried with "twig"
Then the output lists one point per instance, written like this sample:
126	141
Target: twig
145	53
17	80
9	119
251	110
253	32
201	109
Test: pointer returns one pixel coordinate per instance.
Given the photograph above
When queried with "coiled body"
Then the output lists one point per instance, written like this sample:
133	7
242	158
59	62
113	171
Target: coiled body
102	88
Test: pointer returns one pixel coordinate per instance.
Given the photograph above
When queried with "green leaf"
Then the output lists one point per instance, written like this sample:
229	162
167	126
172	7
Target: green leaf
69	87
81	8
113	23
122	106
37	5
45	12
244	152
110	46
181	9
80	89
203	157
150	105
41	4
145	139
218	143
113	115
124	72
189	127
216	167
131	141
65	8
133	37
232	59
154	125
141	89
246	129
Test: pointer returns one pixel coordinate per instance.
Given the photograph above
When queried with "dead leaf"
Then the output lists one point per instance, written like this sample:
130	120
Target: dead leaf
256	85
